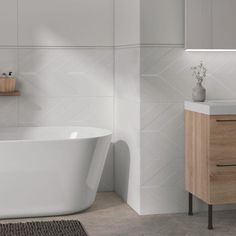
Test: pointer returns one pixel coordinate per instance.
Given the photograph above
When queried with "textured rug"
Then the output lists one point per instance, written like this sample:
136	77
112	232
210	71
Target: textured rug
48	228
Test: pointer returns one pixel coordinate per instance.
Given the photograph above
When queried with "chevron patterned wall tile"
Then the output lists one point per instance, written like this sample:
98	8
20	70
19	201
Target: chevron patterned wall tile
161	116
97	112
8	61
68	87
127	166
166	81
158	89
127	114
166	74
127	125
127	73
155	59
164	200
66	72
159	155
9	109
65	75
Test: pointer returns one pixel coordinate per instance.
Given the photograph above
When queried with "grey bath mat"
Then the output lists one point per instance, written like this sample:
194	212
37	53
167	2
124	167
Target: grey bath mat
48	228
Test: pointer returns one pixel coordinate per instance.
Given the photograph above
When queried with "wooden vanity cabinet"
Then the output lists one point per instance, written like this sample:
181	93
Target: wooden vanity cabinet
210	158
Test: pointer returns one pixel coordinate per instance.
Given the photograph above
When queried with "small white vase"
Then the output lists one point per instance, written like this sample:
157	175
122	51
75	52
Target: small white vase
199	93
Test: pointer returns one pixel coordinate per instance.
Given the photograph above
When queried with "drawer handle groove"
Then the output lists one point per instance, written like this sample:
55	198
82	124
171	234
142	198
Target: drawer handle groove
222	121
229	165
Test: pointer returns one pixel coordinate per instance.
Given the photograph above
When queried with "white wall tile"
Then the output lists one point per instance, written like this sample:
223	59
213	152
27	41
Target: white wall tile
156	149
157	89
127	73
127	114
162	117
160	145
127	125
8	22
36	111
162	22
66	23
166	82
127	22
68	87
8	111
163	200
59	86
66	72
9	106
127	166
167	75
155	59
8	61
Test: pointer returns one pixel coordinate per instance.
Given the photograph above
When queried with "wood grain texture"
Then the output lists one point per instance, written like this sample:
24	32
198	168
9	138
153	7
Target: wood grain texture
210	156
7	84
222	159
197	154
14	93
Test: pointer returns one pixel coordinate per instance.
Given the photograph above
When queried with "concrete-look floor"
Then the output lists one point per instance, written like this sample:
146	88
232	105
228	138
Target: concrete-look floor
110	216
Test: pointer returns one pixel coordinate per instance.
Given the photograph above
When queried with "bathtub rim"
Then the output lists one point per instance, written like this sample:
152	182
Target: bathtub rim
107	134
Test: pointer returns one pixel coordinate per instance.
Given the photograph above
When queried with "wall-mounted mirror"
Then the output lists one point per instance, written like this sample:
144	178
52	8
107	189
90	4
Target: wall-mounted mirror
210	24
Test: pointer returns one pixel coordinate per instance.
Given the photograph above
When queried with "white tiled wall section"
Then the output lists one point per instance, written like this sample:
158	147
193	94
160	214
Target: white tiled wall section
63	63
127	125
66	72
166	81
127	73
61	87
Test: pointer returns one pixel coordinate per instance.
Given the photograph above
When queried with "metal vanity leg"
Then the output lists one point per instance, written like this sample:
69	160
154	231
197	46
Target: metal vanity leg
210	225
190	204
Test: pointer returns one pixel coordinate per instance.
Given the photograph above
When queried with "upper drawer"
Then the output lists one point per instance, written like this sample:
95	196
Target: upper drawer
222	149
223	127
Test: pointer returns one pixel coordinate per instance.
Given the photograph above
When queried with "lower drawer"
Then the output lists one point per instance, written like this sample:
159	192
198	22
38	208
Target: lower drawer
223	186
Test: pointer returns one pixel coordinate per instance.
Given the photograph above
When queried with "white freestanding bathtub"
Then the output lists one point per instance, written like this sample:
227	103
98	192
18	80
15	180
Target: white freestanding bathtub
50	170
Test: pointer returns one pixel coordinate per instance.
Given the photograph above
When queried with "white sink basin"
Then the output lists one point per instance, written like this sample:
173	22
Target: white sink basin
214	107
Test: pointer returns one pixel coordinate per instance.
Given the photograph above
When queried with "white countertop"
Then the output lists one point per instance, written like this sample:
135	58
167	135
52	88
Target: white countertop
214	107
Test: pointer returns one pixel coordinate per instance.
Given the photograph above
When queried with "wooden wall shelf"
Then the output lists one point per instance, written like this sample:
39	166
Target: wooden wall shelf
14	93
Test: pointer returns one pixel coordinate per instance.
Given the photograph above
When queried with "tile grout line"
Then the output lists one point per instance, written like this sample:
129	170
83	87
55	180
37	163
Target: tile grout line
114	97
54	47
87	46
17	52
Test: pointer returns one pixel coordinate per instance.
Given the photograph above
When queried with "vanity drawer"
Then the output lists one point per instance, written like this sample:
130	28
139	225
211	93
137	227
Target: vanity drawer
223	188
222	153
222	144
223	126
222	159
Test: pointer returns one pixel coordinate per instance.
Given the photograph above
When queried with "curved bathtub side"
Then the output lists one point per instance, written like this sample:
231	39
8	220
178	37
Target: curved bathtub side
50	177
96	168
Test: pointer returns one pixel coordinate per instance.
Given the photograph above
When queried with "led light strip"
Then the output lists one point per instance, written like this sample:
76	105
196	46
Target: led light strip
210	50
